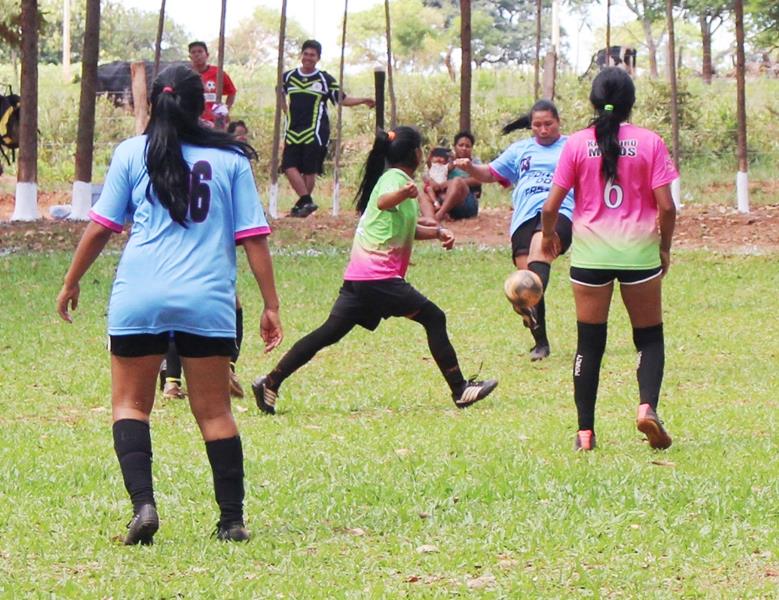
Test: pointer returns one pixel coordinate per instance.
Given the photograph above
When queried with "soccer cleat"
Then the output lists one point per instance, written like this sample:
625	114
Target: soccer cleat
236	390
539	352
584	441
265	397
232	532
473	391
648	423
173	391
303	210
143	526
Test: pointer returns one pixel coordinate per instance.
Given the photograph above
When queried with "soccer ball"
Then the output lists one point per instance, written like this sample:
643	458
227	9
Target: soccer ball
523	288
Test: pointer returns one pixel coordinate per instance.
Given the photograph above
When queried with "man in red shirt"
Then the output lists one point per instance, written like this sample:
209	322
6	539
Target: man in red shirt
198	56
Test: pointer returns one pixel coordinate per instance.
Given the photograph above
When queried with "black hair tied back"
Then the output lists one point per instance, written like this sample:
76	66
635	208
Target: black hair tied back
525	120
612	96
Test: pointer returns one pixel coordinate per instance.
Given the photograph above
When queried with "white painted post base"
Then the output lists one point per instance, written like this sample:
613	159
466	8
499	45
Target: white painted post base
336	198
273	203
81	201
676	192
26	204
742	191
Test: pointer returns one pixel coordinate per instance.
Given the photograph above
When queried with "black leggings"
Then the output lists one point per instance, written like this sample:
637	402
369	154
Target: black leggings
335	328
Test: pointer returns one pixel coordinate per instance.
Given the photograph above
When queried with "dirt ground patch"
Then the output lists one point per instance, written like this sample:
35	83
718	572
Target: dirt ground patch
716	228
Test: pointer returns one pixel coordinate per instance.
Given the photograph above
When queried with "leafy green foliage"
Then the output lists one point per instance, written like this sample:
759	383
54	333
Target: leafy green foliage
255	41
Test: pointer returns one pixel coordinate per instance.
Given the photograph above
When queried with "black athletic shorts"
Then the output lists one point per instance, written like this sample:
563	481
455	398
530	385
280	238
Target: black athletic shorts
520	239
366	303
604	277
187	344
307	158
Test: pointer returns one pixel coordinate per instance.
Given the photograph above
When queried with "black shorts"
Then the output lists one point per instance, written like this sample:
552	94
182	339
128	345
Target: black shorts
306	158
604	277
520	239
366	303
187	344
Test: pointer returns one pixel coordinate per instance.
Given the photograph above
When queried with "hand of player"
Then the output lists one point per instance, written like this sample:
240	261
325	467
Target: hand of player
410	190
270	328
463	163
369	102
68	296
665	261
550	246
446	237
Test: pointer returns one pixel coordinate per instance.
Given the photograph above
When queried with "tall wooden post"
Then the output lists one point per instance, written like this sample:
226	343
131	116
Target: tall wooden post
536	71
379	77
669	16
66	39
219	122
81	201
26	203
273	202
742	177
339	127
390	71
158	44
466	75
608	33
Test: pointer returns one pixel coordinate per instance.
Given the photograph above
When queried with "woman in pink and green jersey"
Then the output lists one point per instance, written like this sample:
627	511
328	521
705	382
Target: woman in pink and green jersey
374	286
623	222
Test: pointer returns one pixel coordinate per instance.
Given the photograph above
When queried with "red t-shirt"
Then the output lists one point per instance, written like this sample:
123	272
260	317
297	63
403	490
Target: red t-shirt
209	85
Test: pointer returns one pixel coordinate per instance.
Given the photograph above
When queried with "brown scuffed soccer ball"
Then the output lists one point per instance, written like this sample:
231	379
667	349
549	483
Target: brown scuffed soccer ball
523	288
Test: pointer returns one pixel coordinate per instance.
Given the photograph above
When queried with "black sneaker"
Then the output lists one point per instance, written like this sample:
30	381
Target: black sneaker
303	210
265	397
540	352
473	391
232	532
143	526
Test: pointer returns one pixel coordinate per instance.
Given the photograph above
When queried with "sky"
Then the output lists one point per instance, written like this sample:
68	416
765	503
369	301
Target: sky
321	19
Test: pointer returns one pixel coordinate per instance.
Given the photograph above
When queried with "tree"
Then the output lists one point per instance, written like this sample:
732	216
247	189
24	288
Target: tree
710	15
764	22
648	12
255	41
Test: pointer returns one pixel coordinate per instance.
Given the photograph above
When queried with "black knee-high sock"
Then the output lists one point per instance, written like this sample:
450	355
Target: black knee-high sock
226	458
542	269
173	363
238	337
306	347
433	320
651	362
132	444
586	370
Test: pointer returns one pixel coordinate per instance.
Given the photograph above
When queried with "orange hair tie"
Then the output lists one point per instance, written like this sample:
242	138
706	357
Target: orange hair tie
391	136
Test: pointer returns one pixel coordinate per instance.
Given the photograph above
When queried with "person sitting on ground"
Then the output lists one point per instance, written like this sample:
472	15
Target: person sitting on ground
452	192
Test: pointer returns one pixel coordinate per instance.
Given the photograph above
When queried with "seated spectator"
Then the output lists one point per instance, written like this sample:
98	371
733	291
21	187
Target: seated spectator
238	130
451	192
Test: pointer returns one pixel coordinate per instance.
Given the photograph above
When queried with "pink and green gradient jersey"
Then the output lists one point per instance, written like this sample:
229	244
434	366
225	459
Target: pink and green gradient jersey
615	223
384	238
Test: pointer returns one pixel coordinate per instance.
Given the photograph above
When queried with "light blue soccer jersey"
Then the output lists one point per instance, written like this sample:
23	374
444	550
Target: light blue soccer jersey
171	277
529	167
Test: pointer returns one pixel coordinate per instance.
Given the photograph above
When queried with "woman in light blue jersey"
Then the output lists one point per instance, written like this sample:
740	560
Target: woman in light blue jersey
190	197
528	165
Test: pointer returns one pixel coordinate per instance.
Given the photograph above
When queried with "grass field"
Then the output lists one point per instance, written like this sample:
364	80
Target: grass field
370	484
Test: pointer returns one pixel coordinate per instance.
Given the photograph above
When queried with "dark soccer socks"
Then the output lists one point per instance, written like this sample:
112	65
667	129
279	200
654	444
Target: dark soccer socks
132	443
586	370
650	345
541	349
226	458
238	336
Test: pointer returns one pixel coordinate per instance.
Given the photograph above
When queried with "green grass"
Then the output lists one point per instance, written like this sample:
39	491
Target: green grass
368	460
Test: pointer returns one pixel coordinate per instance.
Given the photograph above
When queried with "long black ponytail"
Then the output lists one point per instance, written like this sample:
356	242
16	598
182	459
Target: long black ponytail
525	120
176	105
612	96
396	148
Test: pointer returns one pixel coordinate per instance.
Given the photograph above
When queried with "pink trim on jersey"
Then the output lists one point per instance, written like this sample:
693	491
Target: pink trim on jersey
365	265
253	232
500	179
107	223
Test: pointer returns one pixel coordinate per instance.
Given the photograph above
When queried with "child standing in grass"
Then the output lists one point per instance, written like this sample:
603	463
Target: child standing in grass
374	287
623	223
190	194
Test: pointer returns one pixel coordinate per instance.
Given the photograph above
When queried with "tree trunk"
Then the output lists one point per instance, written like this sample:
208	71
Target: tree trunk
742	182
537	69
339	124
26	205
86	107
274	161
158	44
465	67
390	70
672	79
708	70
221	122
651	47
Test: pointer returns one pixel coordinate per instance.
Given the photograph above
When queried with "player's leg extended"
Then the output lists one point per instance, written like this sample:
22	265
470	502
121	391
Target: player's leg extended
209	399
537	263
592	313
643	302
133	382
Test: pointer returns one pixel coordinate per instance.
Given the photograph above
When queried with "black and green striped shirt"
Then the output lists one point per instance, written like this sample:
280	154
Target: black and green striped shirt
307	122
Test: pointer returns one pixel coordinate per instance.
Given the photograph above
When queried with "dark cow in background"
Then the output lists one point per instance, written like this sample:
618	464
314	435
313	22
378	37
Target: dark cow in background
618	56
9	126
115	81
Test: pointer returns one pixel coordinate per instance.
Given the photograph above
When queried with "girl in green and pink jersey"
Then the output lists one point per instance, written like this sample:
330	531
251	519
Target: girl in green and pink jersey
374	286
623	222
